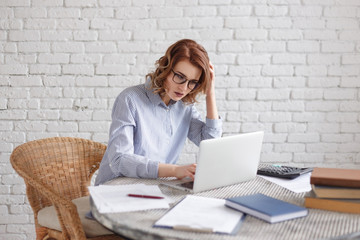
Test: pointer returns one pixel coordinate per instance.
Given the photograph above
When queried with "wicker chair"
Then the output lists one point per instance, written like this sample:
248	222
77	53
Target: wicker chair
57	171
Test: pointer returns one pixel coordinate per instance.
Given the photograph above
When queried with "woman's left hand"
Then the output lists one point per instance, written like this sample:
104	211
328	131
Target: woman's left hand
210	91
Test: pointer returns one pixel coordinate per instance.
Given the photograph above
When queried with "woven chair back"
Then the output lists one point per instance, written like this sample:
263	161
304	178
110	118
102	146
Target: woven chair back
63	164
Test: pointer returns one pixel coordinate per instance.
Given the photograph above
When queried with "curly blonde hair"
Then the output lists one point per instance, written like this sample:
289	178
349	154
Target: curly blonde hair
185	49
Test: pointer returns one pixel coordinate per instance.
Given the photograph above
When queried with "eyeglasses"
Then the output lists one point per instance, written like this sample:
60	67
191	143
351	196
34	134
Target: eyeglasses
180	79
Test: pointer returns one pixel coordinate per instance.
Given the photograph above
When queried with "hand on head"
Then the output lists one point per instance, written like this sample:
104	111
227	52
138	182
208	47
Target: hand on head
211	87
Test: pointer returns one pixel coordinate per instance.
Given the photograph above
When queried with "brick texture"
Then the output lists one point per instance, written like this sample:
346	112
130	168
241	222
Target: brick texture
290	68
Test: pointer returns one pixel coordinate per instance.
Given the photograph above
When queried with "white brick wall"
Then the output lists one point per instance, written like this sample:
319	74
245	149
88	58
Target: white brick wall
290	68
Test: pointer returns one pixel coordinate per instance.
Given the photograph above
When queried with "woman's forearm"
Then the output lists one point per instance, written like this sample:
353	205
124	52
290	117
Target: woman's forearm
211	108
166	170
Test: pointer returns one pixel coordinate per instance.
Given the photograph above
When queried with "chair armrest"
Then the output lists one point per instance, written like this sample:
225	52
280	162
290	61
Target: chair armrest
66	210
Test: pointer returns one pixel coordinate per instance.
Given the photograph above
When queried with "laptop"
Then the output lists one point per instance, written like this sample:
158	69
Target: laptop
224	161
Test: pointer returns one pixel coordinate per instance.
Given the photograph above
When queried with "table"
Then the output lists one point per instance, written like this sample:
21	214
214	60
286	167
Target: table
319	224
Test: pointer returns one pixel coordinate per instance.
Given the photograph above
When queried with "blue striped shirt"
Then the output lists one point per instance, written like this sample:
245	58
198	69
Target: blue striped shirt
145	132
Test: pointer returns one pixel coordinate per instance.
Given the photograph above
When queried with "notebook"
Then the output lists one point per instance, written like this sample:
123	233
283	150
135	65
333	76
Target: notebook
224	161
267	208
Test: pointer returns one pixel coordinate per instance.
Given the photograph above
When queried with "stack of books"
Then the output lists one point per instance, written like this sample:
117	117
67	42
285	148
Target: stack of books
334	189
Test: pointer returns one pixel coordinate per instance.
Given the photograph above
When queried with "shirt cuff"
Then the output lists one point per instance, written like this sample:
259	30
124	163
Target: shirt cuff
214	123
153	169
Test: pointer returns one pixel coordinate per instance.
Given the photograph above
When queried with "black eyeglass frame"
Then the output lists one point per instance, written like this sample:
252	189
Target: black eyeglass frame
186	80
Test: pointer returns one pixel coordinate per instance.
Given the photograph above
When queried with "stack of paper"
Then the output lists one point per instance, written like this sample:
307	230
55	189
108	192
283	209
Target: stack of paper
114	198
297	185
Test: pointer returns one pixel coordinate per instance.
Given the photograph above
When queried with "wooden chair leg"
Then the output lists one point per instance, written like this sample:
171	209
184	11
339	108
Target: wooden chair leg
54	234
41	233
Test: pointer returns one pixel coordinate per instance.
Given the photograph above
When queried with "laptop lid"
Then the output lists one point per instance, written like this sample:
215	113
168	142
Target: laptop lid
227	160
224	161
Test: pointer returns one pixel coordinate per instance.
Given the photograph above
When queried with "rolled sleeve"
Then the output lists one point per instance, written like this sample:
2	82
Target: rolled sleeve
214	123
132	165
200	130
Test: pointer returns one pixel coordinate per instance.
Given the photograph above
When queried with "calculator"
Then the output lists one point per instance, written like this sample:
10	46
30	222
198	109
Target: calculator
280	171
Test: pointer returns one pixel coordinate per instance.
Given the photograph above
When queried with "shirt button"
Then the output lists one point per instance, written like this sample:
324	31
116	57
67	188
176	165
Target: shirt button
110	165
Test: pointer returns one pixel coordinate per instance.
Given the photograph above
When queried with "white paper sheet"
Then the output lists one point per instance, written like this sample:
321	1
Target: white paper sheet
113	198
196	213
297	185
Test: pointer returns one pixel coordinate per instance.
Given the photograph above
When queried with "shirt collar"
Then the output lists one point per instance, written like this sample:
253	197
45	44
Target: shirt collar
155	97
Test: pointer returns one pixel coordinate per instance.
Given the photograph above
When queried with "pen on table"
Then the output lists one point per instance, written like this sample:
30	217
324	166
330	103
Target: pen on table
144	196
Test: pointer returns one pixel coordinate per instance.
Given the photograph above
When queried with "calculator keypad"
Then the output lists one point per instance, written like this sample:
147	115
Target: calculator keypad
281	171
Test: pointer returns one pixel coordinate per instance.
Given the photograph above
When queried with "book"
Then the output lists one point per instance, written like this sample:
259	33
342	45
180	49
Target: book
338	205
266	208
336	192
336	177
202	214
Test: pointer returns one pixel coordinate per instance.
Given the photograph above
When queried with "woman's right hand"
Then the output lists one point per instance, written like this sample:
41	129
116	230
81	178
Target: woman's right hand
178	171
185	171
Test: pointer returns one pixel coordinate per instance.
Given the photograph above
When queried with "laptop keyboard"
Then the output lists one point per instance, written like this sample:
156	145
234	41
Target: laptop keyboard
189	185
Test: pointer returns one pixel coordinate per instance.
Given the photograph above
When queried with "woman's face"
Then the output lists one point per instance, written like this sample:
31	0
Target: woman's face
182	71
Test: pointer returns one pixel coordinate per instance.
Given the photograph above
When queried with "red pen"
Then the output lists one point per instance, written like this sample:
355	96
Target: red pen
144	196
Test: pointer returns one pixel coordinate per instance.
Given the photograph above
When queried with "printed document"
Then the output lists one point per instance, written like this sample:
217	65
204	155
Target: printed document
297	185
114	198
202	214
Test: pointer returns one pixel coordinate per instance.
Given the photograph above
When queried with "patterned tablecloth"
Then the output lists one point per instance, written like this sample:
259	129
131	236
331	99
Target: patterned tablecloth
318	224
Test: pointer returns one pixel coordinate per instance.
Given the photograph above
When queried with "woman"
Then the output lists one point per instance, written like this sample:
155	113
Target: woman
151	121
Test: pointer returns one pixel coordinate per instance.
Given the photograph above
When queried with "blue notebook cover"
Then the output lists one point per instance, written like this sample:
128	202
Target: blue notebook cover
267	208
